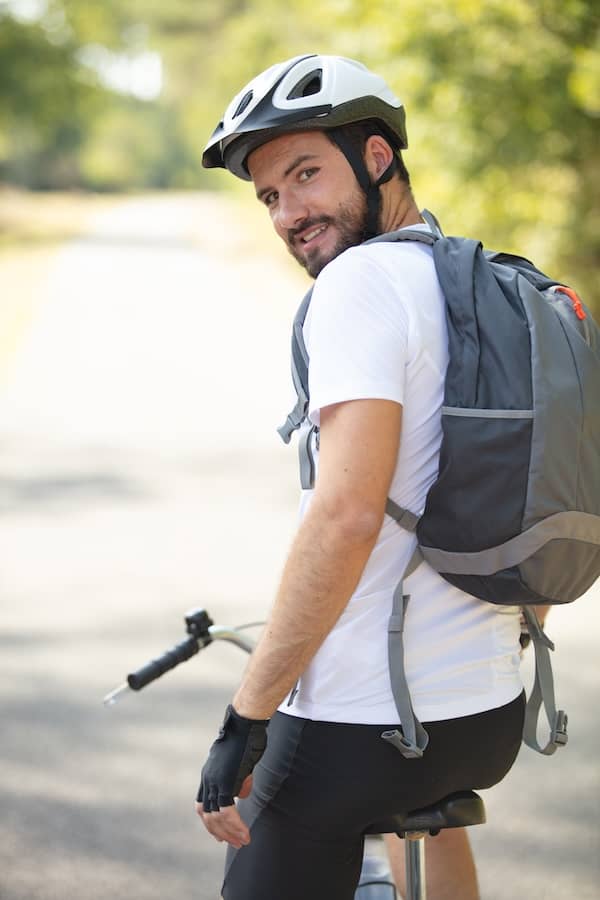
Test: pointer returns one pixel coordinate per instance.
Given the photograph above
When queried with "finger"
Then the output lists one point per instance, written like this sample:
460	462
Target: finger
227	825
210	800
224	834
246	787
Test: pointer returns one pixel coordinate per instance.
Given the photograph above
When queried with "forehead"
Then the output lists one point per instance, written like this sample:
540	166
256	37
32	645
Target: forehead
274	157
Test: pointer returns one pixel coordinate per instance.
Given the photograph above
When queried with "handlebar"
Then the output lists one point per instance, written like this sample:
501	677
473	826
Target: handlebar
202	632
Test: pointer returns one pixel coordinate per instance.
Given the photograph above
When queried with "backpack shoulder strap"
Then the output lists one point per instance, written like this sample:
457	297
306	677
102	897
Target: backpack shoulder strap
413	234
542	692
299	373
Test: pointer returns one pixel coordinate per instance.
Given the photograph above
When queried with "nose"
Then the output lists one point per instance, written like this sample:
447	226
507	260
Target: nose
291	210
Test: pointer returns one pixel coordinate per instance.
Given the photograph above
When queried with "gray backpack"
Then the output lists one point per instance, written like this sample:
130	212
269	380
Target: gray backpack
514	515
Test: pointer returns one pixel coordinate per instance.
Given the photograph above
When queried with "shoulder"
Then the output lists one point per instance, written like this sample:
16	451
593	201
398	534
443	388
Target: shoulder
353	284
393	265
363	262
381	276
358	294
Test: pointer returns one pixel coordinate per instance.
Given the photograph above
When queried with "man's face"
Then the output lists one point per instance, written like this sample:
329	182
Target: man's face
315	203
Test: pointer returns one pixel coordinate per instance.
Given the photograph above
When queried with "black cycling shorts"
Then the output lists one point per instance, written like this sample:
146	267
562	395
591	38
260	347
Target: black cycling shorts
320	785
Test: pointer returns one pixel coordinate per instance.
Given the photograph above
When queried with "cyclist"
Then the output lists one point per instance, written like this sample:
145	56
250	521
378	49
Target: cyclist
321	138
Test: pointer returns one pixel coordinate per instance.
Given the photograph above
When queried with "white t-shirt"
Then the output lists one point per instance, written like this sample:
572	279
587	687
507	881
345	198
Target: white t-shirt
376	328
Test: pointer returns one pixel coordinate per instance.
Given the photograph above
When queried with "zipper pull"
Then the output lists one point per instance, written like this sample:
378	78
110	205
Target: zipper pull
579	310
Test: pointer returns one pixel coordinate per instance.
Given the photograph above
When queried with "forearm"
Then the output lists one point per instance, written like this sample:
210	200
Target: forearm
324	567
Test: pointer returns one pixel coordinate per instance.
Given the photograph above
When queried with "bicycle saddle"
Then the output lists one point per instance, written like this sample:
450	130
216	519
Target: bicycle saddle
454	811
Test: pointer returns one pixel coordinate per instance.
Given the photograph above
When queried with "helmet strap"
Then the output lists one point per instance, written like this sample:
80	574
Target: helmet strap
370	188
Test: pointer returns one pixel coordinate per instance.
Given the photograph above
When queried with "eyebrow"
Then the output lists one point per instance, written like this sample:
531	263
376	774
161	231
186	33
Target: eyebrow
297	162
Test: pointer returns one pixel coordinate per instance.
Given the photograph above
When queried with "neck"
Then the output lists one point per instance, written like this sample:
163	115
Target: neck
398	207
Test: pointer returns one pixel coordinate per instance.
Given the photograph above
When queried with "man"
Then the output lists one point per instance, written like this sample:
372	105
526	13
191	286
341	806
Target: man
321	139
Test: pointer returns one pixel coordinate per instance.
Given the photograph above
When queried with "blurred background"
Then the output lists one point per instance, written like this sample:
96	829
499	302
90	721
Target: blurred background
145	309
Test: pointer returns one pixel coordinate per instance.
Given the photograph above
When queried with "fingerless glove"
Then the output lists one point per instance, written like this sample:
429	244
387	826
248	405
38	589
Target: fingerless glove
232	757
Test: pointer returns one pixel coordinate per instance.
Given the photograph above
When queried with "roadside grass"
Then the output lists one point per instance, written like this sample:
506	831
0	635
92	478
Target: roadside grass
30	221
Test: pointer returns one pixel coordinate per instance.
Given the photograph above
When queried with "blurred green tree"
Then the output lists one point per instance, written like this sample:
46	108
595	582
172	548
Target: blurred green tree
63	120
44	106
505	97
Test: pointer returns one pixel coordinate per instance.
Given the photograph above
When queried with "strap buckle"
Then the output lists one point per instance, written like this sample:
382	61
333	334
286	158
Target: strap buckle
407	748
558	734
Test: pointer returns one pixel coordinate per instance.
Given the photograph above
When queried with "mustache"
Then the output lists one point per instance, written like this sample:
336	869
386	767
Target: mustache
307	223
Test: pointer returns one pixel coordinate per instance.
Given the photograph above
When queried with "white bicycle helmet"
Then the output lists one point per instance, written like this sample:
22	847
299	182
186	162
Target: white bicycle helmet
304	93
301	94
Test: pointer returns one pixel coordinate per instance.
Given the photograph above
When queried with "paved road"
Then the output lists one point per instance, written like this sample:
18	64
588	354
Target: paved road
139	477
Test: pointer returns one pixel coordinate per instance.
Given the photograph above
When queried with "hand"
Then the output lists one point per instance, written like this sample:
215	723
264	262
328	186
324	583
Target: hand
227	824
239	746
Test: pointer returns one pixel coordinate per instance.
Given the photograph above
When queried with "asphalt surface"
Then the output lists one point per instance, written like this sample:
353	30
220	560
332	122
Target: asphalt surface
140	476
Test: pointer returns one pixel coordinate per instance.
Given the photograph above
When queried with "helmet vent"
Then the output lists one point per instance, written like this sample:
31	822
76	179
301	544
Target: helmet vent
310	84
243	104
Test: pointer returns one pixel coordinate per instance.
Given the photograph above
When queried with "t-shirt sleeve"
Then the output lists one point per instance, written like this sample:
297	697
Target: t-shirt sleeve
356	334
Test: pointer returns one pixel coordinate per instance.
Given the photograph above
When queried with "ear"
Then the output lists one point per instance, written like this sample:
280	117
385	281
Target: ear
378	155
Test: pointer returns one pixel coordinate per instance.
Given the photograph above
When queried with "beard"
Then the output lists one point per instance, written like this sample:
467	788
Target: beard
350	222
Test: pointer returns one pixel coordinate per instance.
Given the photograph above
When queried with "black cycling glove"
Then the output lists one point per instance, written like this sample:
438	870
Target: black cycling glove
239	746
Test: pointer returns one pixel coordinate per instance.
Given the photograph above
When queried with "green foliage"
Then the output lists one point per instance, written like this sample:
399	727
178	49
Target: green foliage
125	150
43	106
60	126
506	103
502	97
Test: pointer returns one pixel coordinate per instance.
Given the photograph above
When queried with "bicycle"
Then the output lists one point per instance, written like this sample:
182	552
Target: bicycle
457	810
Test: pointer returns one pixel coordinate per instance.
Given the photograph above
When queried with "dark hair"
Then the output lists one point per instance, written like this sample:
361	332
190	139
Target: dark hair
358	133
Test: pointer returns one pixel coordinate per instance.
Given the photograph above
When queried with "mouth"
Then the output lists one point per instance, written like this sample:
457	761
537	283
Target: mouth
310	237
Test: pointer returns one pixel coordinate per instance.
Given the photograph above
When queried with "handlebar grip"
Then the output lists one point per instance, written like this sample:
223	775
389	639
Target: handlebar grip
168	660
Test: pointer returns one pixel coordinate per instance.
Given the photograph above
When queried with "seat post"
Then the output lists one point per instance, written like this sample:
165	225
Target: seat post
457	810
414	857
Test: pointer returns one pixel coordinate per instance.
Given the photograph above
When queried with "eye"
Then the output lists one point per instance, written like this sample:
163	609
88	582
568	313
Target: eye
306	174
271	198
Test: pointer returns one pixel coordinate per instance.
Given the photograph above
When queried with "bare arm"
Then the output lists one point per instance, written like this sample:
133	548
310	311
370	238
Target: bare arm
358	452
